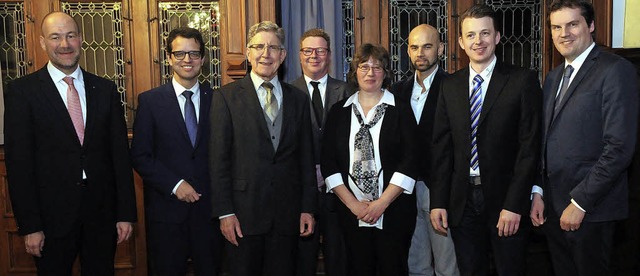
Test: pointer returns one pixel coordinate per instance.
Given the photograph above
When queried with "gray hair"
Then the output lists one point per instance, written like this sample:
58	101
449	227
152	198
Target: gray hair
266	26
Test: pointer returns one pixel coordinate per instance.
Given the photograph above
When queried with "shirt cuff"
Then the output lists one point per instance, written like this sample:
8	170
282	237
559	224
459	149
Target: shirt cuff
403	181
576	204
333	181
225	216
175	188
536	190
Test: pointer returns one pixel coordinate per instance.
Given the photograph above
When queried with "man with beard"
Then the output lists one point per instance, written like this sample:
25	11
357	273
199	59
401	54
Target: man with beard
323	91
170	152
70	186
421	92
486	139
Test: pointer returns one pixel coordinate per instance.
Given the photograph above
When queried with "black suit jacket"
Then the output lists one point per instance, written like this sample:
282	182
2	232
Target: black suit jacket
424	131
397	146
267	189
590	143
508	142
45	159
336	91
162	154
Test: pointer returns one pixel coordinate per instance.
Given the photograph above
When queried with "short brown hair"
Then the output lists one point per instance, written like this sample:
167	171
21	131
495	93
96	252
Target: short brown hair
316	33
362	55
480	11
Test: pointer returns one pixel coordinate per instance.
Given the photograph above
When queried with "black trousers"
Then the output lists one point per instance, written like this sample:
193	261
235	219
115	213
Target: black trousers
585	251
172	244
477	237
333	248
270	254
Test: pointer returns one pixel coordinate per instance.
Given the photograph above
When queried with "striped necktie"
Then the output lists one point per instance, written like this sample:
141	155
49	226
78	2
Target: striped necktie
475	101
271	103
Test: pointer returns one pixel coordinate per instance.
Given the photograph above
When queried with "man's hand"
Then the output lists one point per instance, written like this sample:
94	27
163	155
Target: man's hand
34	243
229	227
571	218
125	229
439	220
508	223
537	210
374	211
306	224
186	193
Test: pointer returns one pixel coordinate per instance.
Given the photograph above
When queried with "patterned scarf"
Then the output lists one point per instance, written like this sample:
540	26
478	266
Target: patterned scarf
365	173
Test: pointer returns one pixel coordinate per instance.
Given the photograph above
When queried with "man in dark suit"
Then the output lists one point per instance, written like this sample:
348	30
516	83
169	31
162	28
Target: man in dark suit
323	92
170	152
486	141
67	157
261	165
589	137
421	93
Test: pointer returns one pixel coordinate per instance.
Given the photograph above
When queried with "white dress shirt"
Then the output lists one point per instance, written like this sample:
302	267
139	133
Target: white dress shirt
486	76
322	86
418	99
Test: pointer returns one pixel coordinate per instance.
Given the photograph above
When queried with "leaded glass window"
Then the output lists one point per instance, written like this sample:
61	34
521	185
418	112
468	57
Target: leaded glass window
13	47
348	42
203	16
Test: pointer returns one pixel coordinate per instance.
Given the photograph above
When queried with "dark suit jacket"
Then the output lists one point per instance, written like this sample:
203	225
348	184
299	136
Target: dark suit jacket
508	142
267	189
424	131
589	145
336	91
162	154
45	159
396	147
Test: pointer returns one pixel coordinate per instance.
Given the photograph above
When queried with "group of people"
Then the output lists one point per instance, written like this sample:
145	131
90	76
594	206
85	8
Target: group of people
422	177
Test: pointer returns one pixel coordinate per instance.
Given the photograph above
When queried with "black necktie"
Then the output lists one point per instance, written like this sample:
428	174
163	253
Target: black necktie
316	100
190	119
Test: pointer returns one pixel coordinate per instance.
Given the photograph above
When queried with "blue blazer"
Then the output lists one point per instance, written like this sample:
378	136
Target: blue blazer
590	143
162	153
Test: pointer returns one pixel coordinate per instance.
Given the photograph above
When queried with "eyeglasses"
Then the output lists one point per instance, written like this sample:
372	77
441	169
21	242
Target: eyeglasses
261	47
364	68
319	51
179	55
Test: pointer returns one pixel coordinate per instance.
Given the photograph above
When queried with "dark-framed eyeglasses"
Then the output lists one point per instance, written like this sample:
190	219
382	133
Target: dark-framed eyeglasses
261	47
320	51
179	55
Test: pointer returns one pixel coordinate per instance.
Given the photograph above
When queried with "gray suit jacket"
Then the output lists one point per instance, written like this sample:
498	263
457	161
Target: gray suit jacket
590	143
336	91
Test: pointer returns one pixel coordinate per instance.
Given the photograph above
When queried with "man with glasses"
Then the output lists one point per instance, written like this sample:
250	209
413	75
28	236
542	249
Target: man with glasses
169	151
323	91
261	162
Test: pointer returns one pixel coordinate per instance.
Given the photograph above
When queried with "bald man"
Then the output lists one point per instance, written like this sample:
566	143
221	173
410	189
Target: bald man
421	91
67	158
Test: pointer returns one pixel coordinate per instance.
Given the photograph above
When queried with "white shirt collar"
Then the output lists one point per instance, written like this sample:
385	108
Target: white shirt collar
387	98
179	89
486	73
257	82
322	81
577	63
427	81
57	75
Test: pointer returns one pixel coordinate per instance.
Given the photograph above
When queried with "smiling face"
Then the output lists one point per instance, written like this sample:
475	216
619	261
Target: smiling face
570	32
479	39
62	41
265	62
314	66
187	70
424	48
370	75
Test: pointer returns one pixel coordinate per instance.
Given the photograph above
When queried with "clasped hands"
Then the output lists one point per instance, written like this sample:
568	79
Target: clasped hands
369	211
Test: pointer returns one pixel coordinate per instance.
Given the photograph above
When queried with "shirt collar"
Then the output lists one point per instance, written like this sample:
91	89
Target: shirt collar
322	81
178	88
57	75
577	63
257	81
486	73
427	81
387	98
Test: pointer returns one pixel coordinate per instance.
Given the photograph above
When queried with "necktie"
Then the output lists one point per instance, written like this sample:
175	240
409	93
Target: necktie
316	100
74	108
566	77
365	173
190	119
270	103
475	101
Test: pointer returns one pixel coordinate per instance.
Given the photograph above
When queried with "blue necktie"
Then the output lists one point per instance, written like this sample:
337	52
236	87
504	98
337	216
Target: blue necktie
476	107
190	119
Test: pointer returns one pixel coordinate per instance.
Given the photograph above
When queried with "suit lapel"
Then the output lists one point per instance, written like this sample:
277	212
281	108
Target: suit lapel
499	78
170	100
287	112
249	98
205	103
584	70
556	76
93	101
430	105
51	92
